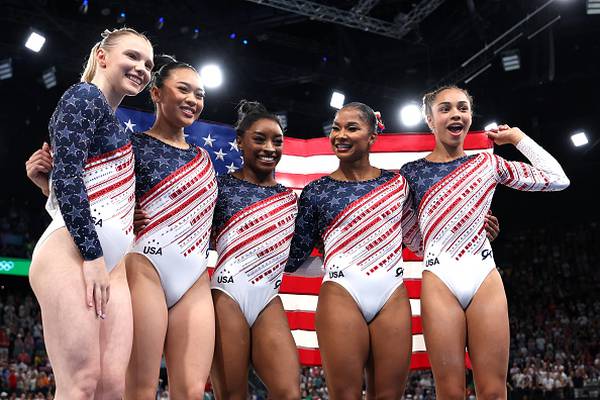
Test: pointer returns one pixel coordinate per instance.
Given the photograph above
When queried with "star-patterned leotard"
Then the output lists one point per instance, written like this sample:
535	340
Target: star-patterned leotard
92	182
360	226
253	228
178	190
452	200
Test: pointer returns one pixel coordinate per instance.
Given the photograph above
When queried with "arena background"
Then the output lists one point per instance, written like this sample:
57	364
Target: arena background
384	53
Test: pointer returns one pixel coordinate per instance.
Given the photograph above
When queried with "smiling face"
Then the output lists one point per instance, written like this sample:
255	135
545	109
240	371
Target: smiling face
262	146
180	99
450	117
351	136
127	64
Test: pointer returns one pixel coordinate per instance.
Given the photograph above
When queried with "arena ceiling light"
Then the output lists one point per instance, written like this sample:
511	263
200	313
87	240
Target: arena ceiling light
6	69
593	7
337	100
579	139
211	75
35	42
49	78
410	115
490	126
511	60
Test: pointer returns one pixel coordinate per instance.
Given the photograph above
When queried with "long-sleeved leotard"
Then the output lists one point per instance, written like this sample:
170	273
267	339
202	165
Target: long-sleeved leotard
360	226
253	227
453	199
178	190
92	181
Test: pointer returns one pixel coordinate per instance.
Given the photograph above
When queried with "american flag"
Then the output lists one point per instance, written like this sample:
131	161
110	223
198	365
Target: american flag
302	162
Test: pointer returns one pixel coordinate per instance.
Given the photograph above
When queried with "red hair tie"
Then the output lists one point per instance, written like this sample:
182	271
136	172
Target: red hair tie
380	125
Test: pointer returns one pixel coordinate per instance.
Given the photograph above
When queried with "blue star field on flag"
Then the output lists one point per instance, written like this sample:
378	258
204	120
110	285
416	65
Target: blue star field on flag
217	139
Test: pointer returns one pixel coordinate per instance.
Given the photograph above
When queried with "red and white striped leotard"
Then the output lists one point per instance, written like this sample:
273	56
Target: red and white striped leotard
253	227
180	207
453	199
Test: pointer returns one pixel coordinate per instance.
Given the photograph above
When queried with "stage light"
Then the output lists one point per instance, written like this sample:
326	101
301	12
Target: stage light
245	41
196	33
337	100
211	75
511	60
6	70
579	139
83	8
593	7
49	78
160	23
232	35
410	115
122	17
35	42
490	126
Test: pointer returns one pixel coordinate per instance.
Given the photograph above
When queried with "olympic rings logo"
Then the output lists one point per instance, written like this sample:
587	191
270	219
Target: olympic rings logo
6	266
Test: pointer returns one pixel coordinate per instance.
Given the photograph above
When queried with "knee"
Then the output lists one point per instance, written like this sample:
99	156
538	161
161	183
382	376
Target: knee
345	393
450	392
113	387
289	393
192	392
491	393
83	385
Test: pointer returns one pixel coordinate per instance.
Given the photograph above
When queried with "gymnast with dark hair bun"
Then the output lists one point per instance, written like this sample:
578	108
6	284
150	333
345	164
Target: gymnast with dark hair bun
252	231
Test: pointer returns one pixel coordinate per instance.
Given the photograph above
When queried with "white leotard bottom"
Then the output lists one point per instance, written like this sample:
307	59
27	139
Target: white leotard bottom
252	298
114	241
463	277
369	292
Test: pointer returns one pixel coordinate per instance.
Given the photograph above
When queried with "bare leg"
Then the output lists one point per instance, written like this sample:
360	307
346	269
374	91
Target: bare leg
274	353
489	337
116	333
190	341
229	373
149	328
71	329
343	341
391	348
445	331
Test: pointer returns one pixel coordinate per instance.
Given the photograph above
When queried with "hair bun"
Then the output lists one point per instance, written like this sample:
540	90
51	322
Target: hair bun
160	60
246	107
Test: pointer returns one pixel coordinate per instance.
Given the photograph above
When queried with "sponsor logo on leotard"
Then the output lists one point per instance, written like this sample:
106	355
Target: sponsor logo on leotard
277	284
399	271
225	279
336	274
431	262
97	221
486	253
156	251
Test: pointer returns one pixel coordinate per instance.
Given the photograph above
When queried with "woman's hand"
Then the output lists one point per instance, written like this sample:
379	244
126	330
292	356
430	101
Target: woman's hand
492	227
97	285
505	134
38	168
141	219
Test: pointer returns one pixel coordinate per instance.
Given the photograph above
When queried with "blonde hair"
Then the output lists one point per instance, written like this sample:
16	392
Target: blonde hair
429	98
109	39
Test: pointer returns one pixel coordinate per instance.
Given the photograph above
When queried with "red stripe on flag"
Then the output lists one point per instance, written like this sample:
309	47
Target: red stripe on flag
418	360
386	143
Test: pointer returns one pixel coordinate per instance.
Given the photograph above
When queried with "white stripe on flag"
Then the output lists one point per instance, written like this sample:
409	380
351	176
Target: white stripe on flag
308	340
